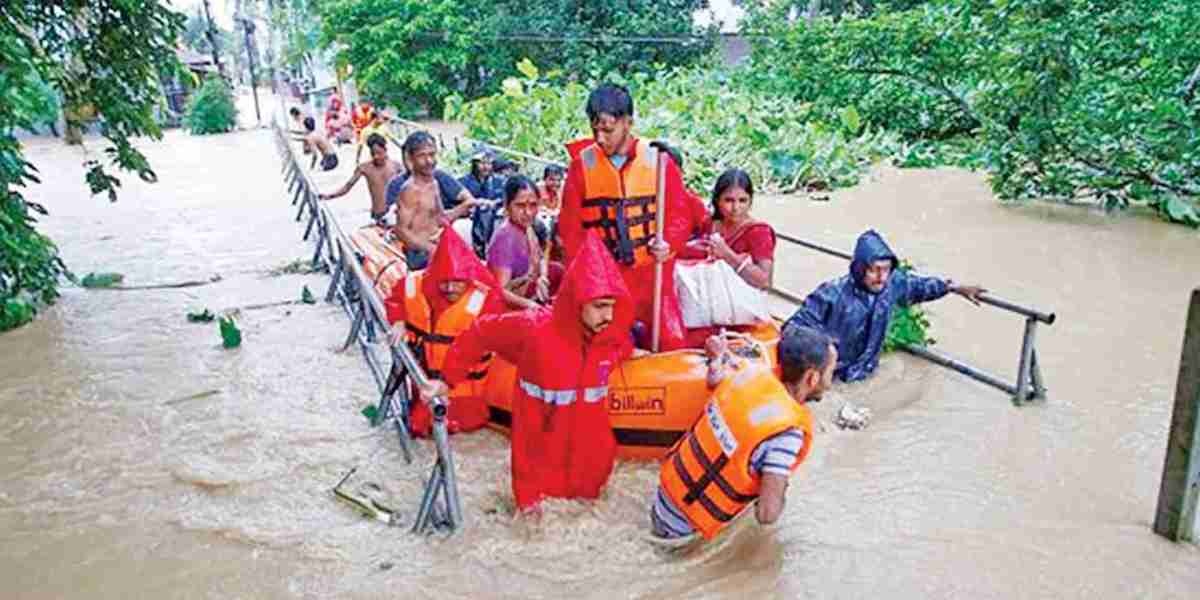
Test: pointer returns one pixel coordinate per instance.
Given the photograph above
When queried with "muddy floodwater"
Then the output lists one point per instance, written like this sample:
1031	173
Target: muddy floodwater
139	459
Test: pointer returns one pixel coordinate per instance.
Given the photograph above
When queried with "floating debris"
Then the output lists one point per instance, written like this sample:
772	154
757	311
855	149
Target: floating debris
231	336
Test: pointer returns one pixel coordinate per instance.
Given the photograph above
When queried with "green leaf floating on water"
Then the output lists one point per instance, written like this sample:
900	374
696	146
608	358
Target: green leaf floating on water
306	296
101	280
371	412
204	316
231	336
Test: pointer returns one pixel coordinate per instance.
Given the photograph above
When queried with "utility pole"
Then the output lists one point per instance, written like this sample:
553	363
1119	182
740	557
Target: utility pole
271	45
211	34
248	25
1179	493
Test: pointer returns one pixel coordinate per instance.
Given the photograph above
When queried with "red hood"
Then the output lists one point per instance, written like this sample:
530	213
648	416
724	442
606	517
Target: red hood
454	259
593	274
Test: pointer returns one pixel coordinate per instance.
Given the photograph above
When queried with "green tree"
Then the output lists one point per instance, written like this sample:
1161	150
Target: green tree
105	57
419	52
1061	99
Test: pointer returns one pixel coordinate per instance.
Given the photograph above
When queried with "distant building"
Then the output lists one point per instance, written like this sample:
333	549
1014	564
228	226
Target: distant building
727	16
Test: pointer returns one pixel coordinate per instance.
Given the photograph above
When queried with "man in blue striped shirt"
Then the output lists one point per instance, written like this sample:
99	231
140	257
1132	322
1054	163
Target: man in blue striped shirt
807	358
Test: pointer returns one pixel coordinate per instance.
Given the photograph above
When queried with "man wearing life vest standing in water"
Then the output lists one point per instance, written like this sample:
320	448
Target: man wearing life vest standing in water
562	442
752	434
610	189
440	303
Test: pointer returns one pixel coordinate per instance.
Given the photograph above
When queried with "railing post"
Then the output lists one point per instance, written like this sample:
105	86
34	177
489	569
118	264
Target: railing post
1024	366
1175	518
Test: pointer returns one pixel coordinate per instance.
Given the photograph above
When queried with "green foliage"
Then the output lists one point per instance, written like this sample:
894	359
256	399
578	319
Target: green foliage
231	336
204	316
101	280
1058	99
105	58
413	54
212	109
716	122
909	325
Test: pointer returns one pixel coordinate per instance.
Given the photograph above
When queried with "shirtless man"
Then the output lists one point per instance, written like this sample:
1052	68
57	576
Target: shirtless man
329	159
419	213
298	119
378	171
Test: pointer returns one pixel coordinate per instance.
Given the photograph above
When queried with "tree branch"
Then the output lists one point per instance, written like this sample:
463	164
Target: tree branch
936	87
1189	87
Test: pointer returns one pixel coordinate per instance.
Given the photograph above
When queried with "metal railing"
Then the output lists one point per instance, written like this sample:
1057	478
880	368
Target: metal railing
1029	384
440	506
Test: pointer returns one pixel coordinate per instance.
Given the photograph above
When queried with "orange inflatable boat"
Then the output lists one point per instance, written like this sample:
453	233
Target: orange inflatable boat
382	261
652	400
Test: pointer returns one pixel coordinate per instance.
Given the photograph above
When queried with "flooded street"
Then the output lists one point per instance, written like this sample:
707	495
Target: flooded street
141	459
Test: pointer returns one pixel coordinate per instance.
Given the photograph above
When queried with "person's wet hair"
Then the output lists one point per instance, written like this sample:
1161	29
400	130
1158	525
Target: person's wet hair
552	170
310	123
514	185
609	99
376	141
417	139
728	179
801	349
295	112
503	164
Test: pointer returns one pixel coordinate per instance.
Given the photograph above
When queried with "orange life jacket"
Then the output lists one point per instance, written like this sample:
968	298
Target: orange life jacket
707	474
621	203
433	340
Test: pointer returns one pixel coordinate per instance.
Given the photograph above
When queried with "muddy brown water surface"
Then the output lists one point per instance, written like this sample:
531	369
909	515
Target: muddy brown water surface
140	459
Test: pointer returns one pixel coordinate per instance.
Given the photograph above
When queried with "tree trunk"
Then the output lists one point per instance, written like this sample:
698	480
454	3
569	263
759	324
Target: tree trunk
211	34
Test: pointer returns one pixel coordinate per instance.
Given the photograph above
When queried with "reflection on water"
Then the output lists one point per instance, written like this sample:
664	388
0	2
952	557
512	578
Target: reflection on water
140	458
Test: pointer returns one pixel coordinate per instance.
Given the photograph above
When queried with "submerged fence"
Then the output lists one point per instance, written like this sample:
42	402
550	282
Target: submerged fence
440	506
1029	384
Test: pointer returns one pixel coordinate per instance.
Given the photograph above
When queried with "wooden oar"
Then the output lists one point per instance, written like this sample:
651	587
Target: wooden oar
660	206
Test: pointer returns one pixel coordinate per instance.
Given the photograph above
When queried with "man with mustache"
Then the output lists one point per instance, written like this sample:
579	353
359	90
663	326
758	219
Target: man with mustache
562	441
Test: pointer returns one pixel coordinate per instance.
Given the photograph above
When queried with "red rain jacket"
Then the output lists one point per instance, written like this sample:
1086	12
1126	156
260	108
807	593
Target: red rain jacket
452	260
562	442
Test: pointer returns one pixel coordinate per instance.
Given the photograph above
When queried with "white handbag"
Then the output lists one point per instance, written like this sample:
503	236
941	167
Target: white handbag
711	293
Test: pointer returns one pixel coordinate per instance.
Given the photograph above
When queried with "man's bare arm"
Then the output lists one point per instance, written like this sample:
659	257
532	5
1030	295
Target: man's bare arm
465	203
408	208
771	497
345	189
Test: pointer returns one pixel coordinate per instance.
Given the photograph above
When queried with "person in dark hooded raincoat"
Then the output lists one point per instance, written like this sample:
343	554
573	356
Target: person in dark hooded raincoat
439	303
562	441
855	309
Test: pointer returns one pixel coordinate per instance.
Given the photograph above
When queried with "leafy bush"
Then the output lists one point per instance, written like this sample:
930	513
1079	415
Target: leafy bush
212	109
909	325
709	115
1061	99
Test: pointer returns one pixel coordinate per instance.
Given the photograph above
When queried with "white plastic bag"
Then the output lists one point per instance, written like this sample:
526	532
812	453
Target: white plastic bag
712	294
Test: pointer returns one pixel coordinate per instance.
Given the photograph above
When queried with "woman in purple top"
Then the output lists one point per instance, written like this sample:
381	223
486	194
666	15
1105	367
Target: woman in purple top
514	255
